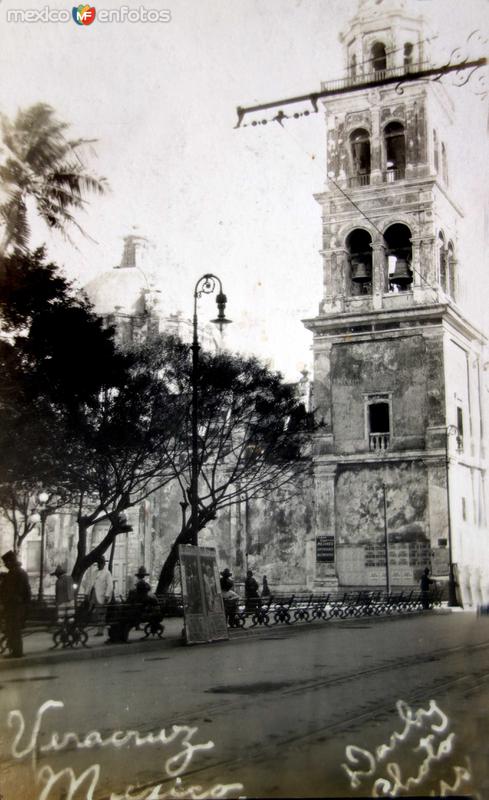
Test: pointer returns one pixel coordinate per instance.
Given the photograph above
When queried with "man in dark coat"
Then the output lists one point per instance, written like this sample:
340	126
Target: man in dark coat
16	595
251	592
425	584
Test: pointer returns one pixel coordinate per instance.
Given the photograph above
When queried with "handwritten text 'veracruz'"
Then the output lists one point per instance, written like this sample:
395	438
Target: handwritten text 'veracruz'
26	744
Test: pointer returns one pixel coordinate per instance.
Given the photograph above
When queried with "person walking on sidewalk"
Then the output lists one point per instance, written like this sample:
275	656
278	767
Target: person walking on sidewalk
15	599
101	595
425	584
265	592
252	598
64	595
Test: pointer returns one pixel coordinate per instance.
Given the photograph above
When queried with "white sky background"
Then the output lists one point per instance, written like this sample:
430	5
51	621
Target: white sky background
160	99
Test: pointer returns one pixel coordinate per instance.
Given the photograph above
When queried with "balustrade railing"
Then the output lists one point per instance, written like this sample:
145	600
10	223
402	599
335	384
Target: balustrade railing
379	441
393	175
359	180
372	77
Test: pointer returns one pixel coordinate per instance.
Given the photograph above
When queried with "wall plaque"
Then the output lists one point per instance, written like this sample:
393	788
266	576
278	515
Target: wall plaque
325	549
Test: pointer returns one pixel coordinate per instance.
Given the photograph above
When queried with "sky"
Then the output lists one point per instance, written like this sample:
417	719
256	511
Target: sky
160	100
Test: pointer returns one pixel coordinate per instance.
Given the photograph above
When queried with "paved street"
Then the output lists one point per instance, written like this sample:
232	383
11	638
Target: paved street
280	707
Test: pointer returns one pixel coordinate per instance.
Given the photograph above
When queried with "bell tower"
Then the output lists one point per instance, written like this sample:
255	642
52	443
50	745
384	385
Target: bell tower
397	361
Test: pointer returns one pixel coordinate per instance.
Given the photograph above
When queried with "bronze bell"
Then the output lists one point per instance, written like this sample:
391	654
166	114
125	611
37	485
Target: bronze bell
402	275
360	272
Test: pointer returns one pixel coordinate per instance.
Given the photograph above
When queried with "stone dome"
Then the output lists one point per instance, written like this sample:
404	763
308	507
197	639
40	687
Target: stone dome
130	287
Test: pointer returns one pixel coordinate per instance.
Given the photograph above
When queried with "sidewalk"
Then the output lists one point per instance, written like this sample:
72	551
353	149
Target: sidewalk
39	649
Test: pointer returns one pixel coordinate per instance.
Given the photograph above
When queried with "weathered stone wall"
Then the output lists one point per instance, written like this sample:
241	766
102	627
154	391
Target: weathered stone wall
360	534
398	366
270	536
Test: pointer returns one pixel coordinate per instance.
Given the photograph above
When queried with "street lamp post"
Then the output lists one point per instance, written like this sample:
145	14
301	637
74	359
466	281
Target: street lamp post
206	284
452	595
386	542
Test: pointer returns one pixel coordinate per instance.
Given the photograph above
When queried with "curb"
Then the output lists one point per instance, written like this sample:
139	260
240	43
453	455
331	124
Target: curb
83	654
153	645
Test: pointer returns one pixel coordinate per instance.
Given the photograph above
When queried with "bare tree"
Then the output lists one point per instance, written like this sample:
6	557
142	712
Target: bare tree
252	440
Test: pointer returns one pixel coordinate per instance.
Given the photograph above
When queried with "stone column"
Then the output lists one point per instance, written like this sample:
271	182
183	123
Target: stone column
375	143
416	262
378	274
428	260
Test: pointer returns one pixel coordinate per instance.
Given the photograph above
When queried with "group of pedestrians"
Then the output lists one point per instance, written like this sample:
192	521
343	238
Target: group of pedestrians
15	598
253	597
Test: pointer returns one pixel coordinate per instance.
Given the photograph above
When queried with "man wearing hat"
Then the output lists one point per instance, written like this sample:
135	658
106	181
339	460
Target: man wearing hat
101	594
226	582
229	596
64	593
16	595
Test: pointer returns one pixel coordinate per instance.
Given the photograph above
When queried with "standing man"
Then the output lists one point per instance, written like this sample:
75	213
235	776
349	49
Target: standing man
251	592
101	594
425	584
64	594
16	595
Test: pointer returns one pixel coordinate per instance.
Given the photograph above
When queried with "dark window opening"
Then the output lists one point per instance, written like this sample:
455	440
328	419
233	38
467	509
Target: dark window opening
460	428
379	57
408	55
436	158
360	155
443	262
378	426
358	244
451	270
464	509
444	163
395	151
353	67
378	415
399	275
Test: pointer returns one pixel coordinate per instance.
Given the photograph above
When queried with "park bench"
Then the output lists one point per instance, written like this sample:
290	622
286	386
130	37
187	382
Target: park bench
120	617
289	609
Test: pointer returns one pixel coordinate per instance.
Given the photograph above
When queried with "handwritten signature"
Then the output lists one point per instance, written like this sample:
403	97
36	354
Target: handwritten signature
26	745
433	724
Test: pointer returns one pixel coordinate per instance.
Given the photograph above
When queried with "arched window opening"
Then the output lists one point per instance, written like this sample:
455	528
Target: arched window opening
358	245
408	56
379	58
442	262
399	275
360	156
395	152
451	270
444	163
436	157
353	67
